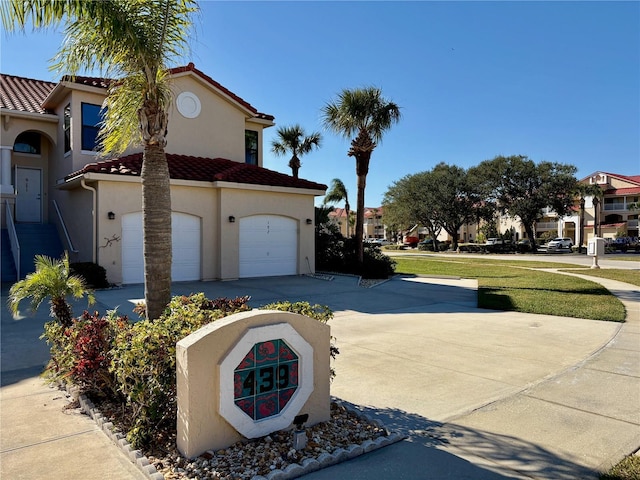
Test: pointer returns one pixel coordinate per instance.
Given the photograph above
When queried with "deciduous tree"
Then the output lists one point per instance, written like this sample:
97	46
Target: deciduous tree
522	188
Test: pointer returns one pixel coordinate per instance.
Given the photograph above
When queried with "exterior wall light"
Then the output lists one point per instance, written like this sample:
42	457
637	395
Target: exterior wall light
309	221
232	219
111	216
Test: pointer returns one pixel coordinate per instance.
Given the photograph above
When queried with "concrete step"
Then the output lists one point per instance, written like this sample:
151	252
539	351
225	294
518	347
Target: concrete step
7	267
37	239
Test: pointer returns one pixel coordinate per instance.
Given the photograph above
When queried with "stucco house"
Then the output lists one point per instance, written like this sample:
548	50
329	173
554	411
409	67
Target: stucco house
615	215
231	217
619	208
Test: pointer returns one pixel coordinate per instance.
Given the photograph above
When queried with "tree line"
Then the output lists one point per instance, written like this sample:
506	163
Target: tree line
448	197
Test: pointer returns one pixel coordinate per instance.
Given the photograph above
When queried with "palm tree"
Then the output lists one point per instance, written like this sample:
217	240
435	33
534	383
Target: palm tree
52	279
294	140
365	113
338	192
583	190
133	41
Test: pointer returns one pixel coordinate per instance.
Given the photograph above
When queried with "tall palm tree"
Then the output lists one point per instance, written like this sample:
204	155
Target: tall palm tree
52	279
365	113
294	140
583	190
132	41
337	193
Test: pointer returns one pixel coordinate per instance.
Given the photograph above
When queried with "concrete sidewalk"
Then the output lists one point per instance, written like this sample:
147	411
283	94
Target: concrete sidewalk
480	394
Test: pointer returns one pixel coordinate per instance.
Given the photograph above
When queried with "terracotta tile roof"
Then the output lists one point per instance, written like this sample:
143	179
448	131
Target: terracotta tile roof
623	191
105	82
24	94
89	81
368	211
200	169
28	95
338	213
630	178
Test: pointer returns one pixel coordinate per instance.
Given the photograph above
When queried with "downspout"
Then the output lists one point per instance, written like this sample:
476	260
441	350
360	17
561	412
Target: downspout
94	226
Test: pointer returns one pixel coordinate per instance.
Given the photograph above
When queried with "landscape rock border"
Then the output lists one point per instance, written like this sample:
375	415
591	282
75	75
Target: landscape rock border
292	471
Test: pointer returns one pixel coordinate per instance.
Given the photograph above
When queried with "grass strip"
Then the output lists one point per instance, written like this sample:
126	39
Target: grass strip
630	257
511	287
627	469
619	274
495	261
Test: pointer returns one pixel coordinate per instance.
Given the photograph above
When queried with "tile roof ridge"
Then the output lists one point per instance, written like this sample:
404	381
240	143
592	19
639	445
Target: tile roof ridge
633	178
190	67
21	77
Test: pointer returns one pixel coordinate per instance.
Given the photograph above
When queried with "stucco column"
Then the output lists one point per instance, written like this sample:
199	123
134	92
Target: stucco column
5	170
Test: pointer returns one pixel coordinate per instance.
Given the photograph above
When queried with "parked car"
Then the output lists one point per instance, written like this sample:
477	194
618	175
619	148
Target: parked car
426	244
524	245
378	241
411	241
557	243
494	241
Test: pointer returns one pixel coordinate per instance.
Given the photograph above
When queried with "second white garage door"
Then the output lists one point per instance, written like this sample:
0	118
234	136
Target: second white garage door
268	246
185	238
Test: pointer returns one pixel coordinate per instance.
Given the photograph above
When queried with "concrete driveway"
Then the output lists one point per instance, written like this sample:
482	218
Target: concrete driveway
480	394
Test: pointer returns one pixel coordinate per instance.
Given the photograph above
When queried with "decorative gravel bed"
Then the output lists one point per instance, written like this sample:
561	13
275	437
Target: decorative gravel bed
348	434
273	456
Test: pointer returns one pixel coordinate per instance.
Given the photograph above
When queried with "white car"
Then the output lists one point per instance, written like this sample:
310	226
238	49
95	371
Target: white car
556	243
379	241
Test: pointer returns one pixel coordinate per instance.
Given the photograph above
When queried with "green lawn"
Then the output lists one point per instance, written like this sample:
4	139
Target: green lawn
513	286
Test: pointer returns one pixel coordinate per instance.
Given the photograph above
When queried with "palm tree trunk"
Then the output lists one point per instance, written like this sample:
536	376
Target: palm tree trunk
347	211
362	168
596	204
294	164
156	212
62	311
582	202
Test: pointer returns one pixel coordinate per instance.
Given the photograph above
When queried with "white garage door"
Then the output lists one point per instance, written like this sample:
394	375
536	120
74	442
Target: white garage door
268	246
185	238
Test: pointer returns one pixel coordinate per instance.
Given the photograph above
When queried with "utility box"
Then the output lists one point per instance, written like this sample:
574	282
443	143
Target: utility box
595	247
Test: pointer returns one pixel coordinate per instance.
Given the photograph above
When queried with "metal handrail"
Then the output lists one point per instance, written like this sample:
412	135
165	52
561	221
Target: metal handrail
64	228
13	238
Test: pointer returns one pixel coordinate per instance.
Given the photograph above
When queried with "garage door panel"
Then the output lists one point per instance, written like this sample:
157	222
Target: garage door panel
268	246
186	248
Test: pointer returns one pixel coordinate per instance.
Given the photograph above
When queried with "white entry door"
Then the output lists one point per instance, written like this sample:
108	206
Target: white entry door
29	195
185	239
268	246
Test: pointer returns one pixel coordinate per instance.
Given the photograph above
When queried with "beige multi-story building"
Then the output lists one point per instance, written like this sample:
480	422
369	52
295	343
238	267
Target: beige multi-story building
616	215
231	217
373	227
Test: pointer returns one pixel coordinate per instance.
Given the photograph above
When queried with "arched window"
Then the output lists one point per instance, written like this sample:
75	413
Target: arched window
27	142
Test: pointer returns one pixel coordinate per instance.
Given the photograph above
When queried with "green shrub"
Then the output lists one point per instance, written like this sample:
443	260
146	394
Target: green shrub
81	353
338	254
135	364
144	360
322	313
93	274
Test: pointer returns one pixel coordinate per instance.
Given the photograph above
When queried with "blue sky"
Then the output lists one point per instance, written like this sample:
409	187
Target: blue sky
556	81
